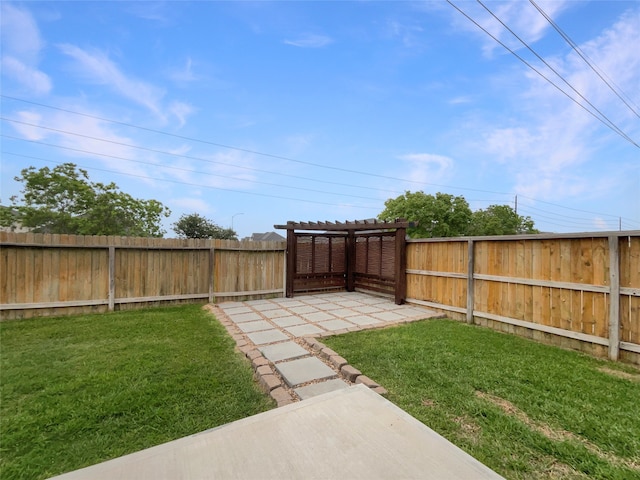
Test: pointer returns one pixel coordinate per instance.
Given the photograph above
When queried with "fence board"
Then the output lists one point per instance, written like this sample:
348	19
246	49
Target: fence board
61	274
556	283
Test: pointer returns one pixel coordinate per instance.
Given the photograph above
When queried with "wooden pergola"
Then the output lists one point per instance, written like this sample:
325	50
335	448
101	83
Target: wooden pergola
366	255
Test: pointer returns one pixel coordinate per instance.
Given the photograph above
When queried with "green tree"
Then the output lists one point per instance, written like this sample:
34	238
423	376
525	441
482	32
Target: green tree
195	225
500	220
63	200
439	215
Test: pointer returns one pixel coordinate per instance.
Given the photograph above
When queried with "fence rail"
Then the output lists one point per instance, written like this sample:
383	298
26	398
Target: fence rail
66	274
584	287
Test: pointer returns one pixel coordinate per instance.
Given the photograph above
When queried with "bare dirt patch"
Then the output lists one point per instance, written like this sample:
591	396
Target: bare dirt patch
634	377
555	434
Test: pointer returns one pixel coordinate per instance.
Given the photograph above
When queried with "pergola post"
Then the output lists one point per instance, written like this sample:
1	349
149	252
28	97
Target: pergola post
291	261
401	266
350	282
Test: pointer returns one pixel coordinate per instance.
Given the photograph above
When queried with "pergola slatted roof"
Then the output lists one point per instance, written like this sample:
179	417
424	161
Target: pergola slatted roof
370	224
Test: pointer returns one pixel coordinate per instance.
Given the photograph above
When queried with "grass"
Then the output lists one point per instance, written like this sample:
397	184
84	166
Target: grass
80	390
526	410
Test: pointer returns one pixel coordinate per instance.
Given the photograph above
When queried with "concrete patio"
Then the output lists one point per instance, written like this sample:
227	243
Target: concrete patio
352	433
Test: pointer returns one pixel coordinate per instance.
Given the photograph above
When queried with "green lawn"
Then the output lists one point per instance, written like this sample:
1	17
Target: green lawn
525	409
79	390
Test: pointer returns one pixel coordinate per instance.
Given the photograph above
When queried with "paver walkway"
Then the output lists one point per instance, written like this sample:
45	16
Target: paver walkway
280	337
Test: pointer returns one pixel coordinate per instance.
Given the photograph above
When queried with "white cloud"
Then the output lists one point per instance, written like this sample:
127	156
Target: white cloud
184	75
408	34
190	205
310	40
20	34
520	16
427	167
548	148
181	111
21	47
97	67
35	80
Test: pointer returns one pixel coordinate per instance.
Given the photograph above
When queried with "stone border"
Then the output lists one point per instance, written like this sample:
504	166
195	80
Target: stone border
268	378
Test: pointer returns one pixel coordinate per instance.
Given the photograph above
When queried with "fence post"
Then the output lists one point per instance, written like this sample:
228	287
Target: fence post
614	298
470	286
112	278
212	252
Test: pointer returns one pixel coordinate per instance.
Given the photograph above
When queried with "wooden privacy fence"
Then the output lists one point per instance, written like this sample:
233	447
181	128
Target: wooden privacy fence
67	274
581	290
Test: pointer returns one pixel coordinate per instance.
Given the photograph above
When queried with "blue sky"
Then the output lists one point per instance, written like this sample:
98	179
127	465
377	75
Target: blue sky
257	112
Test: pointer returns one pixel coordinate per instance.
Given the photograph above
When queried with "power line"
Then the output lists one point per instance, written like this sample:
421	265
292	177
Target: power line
612	127
608	120
220	145
186	169
246	151
196	185
245	167
584	57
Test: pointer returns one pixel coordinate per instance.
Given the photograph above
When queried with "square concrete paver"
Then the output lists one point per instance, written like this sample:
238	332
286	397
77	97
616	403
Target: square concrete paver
343	313
304	370
388	316
317	317
319	388
349	303
302	330
275	313
262	307
288	321
283	351
337	324
303	309
364	320
367	309
235	310
246	317
247	327
267	336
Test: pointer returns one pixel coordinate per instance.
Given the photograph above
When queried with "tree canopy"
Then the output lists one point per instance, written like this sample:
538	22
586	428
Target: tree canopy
500	220
445	215
63	200
195	225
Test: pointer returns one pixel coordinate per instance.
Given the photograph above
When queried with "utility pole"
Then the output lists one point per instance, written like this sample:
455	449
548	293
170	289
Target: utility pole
516	204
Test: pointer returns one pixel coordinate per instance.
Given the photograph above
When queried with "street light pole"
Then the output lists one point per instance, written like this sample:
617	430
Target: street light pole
234	216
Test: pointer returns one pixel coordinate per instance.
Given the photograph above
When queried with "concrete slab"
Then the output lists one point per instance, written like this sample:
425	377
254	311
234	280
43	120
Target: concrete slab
283	351
267	336
333	325
304	370
321	388
289	321
247	327
350	433
302	330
